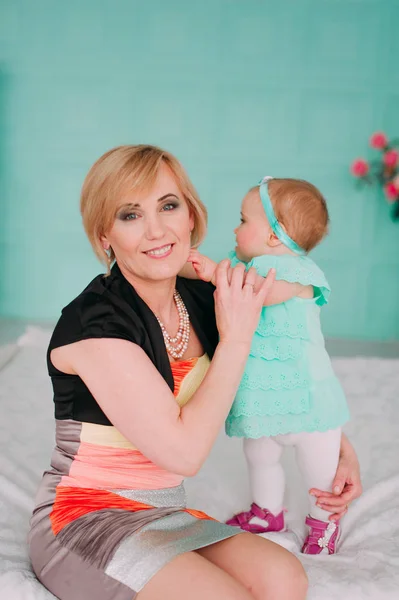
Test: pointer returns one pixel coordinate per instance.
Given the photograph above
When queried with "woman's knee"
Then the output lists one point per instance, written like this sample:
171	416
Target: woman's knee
297	586
193	576
287	582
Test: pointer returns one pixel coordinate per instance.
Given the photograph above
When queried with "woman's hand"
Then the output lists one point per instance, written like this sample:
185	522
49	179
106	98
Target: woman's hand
237	304
347	485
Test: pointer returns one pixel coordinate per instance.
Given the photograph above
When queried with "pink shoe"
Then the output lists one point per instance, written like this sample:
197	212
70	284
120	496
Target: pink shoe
274	522
321	535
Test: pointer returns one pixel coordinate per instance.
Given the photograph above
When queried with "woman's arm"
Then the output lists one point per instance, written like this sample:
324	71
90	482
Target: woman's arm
347	485
136	399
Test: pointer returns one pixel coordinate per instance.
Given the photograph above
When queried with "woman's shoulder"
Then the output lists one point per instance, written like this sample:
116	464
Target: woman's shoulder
100	310
96	292
92	297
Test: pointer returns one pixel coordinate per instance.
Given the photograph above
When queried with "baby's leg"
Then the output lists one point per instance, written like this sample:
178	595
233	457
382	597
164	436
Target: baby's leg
266	477
317	456
266	474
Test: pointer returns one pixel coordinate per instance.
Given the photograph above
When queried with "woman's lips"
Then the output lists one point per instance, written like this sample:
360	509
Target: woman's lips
160	252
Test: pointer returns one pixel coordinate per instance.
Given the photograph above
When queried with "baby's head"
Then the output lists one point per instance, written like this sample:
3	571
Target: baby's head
300	209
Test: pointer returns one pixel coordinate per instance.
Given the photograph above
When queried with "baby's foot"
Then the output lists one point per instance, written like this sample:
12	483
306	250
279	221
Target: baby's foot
322	537
258	520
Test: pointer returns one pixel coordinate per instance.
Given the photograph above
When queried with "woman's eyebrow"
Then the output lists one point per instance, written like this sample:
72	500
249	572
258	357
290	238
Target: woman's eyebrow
170	195
137	204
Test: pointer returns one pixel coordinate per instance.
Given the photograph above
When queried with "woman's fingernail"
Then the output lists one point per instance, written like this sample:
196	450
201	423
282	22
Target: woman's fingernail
336	489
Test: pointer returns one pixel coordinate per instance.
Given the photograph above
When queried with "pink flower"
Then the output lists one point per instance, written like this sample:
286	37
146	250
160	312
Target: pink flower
391	158
391	191
378	140
359	167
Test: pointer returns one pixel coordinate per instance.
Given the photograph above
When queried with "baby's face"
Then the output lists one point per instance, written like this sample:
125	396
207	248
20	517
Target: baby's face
253	232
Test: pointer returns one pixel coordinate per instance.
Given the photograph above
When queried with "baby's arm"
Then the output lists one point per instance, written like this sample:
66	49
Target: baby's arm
188	271
201	267
281	291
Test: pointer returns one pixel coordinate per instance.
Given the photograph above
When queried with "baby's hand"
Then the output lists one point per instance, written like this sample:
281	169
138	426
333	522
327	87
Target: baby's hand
203	266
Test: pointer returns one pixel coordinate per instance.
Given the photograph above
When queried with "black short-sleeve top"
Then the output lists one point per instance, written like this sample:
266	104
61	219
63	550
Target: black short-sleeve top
110	307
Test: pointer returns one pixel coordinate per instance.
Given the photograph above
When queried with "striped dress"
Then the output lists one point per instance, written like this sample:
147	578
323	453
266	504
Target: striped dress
107	518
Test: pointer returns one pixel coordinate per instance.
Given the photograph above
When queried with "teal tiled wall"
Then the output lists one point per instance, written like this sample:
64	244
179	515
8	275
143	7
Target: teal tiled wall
236	89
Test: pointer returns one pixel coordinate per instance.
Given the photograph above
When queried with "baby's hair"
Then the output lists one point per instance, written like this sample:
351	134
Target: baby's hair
301	209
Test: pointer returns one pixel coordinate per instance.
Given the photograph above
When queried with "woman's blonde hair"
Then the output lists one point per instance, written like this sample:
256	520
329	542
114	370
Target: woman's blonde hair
301	208
125	169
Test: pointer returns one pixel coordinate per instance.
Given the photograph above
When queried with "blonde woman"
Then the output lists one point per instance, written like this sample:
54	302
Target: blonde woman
145	366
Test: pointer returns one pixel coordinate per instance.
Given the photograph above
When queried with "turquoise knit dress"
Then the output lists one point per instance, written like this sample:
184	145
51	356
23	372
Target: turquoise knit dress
289	385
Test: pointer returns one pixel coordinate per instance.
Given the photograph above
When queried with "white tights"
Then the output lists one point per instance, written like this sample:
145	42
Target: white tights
317	456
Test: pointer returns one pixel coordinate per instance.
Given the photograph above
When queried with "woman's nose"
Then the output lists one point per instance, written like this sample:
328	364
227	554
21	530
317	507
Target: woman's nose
154	227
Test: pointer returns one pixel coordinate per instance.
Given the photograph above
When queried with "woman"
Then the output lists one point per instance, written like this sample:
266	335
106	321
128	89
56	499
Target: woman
138	406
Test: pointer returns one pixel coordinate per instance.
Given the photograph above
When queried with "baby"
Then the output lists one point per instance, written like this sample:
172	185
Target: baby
289	394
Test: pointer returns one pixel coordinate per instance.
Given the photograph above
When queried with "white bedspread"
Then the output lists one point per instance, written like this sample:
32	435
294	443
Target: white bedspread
367	566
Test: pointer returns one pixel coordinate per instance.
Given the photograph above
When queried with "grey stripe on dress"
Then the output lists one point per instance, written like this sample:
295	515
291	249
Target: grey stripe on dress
175	496
96	535
67	445
141	555
65	573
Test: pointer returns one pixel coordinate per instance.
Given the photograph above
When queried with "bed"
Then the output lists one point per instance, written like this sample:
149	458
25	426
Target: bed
367	566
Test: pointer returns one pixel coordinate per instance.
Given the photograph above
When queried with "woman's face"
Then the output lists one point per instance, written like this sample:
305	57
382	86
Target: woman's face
150	236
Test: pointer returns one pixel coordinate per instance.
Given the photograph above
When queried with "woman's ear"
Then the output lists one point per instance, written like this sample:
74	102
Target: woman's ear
192	222
105	243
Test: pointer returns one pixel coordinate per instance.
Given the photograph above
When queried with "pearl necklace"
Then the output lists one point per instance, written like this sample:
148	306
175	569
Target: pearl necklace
177	346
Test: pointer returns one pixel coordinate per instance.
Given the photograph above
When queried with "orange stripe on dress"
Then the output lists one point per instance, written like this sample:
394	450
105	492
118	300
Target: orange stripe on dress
96	466
72	503
180	369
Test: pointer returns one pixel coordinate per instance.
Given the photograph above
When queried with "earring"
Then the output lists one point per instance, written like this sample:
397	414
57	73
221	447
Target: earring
108	254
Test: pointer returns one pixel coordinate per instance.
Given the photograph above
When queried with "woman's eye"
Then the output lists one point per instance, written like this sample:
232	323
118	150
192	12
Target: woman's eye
130	217
170	206
241	220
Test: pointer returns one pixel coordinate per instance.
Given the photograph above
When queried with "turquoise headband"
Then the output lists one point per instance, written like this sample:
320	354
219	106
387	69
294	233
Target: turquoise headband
271	217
